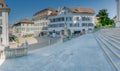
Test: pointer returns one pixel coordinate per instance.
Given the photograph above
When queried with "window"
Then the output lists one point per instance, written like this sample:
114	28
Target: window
84	24
68	18
22	24
57	19
53	20
70	24
0	13
0	5
77	24
76	18
0	21
90	24
62	19
83	18
88	18
61	25
0	30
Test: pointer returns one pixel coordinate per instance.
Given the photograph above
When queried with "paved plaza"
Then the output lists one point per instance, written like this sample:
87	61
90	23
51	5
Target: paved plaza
43	42
79	54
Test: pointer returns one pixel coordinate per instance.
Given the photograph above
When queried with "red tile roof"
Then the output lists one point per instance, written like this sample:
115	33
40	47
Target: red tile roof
24	21
81	10
45	12
55	12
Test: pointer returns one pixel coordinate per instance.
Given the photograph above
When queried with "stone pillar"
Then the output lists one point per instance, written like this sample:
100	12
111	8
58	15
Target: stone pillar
5	35
118	14
4	11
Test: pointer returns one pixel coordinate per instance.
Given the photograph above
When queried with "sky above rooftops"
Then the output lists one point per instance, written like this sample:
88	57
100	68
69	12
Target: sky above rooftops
26	8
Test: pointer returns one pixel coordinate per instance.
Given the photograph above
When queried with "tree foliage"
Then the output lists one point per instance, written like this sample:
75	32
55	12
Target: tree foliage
103	18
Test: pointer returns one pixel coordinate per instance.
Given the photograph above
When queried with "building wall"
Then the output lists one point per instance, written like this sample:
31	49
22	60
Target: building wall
23	29
27	28
4	24
40	25
76	24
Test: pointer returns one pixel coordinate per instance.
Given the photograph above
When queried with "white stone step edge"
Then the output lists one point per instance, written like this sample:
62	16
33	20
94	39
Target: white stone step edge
113	63
111	36
113	32
108	46
114	41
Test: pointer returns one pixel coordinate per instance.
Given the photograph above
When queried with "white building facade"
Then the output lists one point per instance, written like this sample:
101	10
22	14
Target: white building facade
23	27
4	11
75	20
41	21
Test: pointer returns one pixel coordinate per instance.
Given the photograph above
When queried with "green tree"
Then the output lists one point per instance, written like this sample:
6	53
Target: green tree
103	18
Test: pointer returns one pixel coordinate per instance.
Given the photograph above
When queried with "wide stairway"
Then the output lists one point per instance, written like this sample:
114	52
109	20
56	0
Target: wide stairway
109	41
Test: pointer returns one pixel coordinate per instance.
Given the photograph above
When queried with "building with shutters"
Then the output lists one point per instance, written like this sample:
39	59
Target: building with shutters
74	19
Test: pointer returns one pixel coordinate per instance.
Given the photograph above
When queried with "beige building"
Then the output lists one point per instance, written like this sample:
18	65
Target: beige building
96	20
41	21
23	27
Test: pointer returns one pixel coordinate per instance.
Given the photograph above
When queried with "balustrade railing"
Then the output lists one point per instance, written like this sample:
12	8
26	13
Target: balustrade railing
13	52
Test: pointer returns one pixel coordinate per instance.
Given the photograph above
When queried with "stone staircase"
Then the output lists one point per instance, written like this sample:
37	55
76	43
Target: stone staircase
109	41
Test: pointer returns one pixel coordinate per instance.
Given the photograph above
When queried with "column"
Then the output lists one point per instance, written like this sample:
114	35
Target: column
118	13
5	35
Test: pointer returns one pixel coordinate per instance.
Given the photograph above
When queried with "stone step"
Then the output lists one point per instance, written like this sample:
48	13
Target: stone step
111	36
107	54
112	48
114	41
111	39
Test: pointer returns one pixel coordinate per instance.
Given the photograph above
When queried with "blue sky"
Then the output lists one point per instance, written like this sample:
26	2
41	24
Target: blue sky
26	8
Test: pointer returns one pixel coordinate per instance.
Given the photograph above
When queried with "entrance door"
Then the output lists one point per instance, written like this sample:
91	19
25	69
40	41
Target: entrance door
62	32
69	32
83	31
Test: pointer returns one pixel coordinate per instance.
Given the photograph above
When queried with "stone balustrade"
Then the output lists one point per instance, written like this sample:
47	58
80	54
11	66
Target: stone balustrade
13	52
